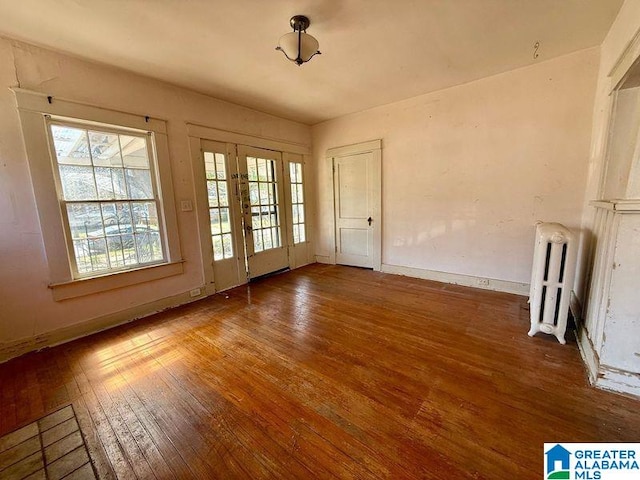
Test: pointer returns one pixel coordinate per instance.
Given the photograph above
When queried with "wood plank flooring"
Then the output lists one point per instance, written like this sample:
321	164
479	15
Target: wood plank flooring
323	372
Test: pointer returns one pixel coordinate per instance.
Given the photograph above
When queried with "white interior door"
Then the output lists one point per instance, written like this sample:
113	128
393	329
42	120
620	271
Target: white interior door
357	212
225	217
262	198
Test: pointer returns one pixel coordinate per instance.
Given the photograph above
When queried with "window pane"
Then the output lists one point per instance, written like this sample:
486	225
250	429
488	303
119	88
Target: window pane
145	217
294	194
117	218
215	221
275	235
116	254
252	169
264	193
300	213
254	196
156	246
227	245
270	167
262	170
144	247
272	194
257	241
222	194
105	149
77	183
218	250
109	216
139	183
292	172
266	239
134	152
300	197
294	209
128	246
224	220
266	221
209	166
220	167
301	236
85	220
296	235
119	185
98	253
212	189
104	182
255	218
71	145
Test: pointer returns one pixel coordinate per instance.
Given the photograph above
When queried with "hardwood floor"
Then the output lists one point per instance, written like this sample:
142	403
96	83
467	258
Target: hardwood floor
323	372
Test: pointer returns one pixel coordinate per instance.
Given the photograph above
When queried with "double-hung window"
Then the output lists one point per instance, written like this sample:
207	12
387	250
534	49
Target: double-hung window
109	197
104	191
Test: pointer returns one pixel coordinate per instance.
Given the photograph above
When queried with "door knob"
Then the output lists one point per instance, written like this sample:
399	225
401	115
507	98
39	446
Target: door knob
369	220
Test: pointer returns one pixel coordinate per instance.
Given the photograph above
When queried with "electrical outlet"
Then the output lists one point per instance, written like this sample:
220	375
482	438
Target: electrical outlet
483	282
195	292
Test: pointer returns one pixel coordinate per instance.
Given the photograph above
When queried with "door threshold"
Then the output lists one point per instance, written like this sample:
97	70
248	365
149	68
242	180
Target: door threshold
270	274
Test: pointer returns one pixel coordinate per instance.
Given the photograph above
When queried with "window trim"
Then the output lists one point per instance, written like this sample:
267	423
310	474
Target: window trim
33	108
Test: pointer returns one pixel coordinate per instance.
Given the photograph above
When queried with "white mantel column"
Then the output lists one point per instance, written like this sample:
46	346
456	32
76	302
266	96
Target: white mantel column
610	337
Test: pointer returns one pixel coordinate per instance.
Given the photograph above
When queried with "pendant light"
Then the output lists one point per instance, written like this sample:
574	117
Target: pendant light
298	46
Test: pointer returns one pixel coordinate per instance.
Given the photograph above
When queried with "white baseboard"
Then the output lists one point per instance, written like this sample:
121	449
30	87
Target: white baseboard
619	381
587	352
603	376
459	279
9	350
324	259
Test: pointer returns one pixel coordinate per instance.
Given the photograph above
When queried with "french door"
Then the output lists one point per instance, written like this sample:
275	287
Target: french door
227	243
246	212
262	194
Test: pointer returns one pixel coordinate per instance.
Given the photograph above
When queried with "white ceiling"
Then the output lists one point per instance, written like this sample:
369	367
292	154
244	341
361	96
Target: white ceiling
373	51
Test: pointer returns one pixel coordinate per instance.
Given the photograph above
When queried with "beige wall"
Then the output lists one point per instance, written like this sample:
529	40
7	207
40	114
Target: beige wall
27	309
468	170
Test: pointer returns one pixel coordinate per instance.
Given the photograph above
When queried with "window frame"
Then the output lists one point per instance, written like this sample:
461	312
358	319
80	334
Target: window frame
34	109
149	140
298	204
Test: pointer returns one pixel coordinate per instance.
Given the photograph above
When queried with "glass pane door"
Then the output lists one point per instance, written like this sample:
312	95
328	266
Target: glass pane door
261	190
225	251
263	196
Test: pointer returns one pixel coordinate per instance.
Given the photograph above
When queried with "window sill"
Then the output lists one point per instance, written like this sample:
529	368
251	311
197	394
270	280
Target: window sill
88	286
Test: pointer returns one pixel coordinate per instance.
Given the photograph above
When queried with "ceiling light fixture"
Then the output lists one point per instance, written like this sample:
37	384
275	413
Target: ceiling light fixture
298	46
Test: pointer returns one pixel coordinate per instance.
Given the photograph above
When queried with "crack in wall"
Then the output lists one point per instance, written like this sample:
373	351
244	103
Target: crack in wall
15	65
